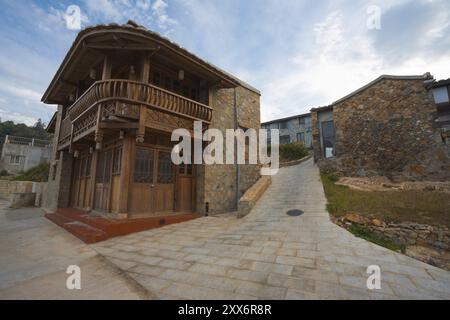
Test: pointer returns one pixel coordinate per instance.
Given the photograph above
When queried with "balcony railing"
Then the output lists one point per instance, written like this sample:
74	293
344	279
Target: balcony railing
123	98
138	93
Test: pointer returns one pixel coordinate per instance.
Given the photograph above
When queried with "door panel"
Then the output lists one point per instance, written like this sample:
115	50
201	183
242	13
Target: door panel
153	188
103	181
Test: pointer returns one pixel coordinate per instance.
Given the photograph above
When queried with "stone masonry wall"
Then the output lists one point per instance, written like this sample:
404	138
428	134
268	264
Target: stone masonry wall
219	185
388	129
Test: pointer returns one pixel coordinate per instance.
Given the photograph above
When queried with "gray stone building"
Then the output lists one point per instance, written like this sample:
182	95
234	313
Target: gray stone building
395	126
292	129
20	154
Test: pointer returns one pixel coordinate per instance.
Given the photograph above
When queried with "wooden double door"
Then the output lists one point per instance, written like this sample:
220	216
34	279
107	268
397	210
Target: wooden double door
158	186
81	182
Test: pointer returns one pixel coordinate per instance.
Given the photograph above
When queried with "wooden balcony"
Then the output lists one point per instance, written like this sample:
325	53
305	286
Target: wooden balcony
121	100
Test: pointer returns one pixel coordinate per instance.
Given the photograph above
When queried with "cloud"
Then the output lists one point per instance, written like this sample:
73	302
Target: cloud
152	14
16	117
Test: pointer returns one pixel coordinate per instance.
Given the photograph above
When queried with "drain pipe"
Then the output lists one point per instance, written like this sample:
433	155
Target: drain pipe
238	168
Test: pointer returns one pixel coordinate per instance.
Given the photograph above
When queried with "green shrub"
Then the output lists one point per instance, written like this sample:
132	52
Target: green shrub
38	173
292	151
3	173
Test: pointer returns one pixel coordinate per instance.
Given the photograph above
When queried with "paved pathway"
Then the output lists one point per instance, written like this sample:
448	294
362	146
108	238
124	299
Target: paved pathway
269	255
35	254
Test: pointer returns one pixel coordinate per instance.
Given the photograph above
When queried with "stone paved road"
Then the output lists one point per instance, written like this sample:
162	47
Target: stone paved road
34	256
269	255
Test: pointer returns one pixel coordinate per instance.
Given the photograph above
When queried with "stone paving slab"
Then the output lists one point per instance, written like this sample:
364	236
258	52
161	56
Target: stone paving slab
35	254
270	255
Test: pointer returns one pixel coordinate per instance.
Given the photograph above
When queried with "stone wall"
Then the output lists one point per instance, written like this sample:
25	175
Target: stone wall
218	188
10	189
388	129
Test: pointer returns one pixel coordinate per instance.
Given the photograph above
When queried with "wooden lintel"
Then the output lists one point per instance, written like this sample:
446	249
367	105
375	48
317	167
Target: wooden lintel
120	47
118	125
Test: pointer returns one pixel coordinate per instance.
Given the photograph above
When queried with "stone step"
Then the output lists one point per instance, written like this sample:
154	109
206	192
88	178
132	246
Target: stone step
79	229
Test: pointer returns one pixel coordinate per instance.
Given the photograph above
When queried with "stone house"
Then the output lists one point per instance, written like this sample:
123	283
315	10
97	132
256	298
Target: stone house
292	129
20	154
121	90
392	127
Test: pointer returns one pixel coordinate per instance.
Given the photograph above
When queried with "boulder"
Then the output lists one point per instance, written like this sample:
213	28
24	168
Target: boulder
356	218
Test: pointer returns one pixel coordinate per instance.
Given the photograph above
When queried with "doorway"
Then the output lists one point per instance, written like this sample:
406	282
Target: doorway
153	187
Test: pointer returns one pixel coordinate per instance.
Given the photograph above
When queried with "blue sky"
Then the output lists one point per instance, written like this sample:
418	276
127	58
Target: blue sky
299	53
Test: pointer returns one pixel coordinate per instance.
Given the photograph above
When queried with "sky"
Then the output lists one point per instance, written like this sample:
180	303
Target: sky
299	53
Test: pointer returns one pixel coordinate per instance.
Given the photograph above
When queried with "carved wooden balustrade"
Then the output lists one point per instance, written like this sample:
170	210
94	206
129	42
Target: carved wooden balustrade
113	99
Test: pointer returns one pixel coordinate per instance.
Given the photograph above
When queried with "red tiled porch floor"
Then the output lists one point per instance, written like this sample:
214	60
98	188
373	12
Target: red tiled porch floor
93	228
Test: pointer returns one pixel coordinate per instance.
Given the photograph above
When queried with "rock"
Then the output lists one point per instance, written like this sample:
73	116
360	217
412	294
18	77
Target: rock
355	218
378	223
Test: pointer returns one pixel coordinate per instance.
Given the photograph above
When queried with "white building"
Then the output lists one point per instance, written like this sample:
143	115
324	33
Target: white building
20	154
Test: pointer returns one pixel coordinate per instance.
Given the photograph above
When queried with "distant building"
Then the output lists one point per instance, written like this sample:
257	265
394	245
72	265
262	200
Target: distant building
20	154
395	126
292	129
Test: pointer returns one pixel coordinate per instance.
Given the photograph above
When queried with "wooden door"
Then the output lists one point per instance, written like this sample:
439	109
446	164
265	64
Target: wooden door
153	186
80	189
163	183
103	181
185	188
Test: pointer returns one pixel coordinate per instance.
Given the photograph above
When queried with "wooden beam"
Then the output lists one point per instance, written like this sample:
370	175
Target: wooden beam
125	175
120	47
118	125
92	180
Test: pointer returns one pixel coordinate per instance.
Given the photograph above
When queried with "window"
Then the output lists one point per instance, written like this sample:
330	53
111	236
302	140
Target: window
285	139
328	138
165	168
301	137
283	125
143	165
168	83
87	171
185	169
307	123
14	159
301	121
156	78
274	125
117	160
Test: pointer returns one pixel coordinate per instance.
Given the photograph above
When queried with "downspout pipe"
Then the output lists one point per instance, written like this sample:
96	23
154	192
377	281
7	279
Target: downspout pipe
238	168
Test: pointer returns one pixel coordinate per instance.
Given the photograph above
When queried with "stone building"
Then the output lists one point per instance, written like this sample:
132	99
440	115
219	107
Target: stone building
392	127
292	129
121	90
20	154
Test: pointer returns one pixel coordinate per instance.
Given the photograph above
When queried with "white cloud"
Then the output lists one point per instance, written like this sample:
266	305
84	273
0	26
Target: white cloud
17	117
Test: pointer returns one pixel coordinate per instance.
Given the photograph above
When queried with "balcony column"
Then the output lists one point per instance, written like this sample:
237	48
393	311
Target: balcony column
107	66
145	74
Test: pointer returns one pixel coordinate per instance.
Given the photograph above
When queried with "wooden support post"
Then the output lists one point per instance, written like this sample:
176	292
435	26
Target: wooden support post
92	181
107	67
125	176
140	135
145	71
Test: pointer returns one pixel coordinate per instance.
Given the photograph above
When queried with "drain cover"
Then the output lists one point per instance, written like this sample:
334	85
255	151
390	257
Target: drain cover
294	213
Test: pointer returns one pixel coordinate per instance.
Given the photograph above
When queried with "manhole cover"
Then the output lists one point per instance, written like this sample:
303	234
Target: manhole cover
294	213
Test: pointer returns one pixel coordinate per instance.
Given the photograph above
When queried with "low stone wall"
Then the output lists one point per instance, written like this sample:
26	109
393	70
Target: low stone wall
23	199
434	240
10	189
294	162
249	199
